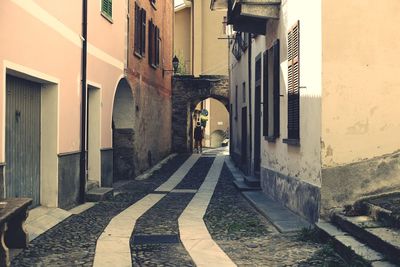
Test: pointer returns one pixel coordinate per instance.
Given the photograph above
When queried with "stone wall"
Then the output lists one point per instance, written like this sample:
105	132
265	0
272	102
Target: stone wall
187	92
301	197
68	180
346	184
107	167
151	133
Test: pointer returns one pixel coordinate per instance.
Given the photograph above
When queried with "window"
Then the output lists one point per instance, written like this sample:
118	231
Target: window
106	8
154	44
153	3
271	93
140	31
294	85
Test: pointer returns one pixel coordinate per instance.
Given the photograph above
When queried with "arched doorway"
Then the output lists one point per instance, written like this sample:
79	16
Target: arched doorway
213	116
188	92
123	133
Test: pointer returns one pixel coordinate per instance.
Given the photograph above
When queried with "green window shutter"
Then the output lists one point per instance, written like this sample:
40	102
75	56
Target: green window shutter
106	7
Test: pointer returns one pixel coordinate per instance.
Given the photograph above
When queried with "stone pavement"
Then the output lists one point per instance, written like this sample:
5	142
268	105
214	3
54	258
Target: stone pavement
152	222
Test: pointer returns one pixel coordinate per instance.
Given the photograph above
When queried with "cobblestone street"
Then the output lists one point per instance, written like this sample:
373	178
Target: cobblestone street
245	236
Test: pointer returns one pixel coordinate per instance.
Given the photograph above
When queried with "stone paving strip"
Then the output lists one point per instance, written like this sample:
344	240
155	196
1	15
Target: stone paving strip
178	176
113	246
156	241
193	231
73	241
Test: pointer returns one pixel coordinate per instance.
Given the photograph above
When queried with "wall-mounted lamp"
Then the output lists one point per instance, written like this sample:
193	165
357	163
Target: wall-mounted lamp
175	64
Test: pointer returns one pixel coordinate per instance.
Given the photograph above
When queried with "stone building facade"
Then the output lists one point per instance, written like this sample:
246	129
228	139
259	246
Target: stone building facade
146	138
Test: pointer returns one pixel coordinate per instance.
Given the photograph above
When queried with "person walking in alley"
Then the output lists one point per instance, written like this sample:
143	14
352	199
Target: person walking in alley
198	138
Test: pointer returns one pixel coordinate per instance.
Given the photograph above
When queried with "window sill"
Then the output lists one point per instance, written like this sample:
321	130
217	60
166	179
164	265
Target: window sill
292	142
271	139
107	17
153	5
154	66
138	55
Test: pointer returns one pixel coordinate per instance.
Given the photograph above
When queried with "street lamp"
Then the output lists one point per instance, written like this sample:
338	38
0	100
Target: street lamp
175	64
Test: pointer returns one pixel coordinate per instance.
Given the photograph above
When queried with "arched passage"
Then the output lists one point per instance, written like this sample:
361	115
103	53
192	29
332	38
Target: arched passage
123	133
215	124
187	92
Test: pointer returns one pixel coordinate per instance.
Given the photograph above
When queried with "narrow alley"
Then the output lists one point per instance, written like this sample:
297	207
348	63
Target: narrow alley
204	133
158	221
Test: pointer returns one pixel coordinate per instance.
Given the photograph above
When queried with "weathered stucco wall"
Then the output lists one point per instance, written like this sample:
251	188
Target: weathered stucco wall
292	174
360	113
301	162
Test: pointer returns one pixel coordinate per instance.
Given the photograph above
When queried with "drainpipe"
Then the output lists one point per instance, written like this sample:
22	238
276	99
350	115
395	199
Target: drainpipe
82	173
250	99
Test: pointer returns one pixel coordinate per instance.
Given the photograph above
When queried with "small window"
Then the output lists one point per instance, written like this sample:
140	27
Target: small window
106	8
140	31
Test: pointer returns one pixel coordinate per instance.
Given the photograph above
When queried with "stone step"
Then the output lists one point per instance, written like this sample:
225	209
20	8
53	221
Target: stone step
252	181
242	186
281	217
99	194
373	233
90	184
348	246
378	213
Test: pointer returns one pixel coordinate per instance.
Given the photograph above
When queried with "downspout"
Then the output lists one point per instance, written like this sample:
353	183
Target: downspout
83	105
250	121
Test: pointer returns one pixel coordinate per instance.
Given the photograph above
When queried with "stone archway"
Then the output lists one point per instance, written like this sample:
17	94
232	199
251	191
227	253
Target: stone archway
186	93
123	132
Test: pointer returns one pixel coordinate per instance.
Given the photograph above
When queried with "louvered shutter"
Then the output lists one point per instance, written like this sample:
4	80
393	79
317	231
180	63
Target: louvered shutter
106	7
151	32
276	89
265	94
143	33
294	83
137	28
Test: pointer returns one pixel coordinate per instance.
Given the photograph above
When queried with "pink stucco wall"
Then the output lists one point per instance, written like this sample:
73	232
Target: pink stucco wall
51	45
